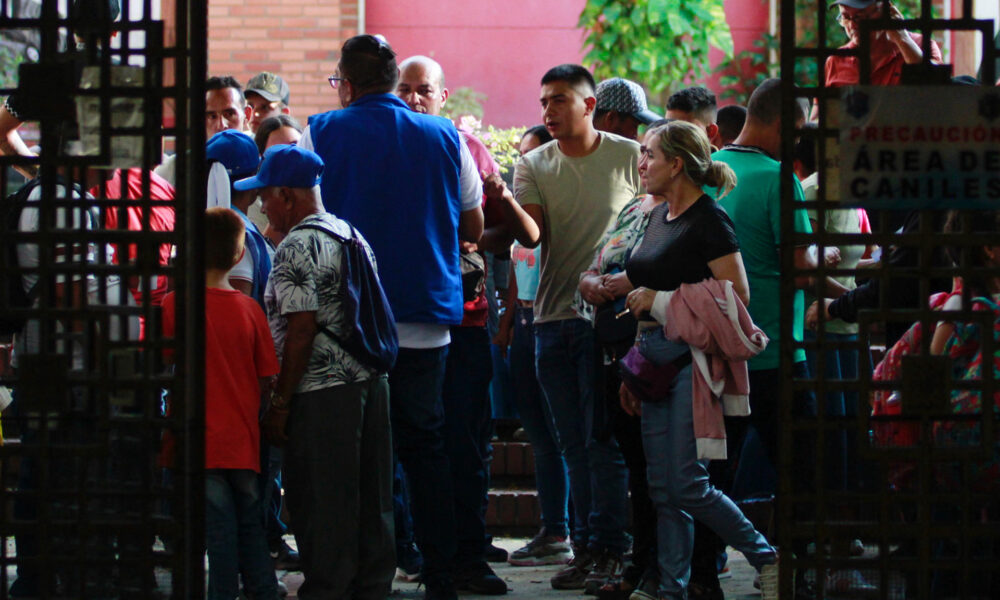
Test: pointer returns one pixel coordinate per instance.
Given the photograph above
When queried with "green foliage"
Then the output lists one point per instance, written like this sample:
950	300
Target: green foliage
661	43
742	73
463	101
9	62
502	143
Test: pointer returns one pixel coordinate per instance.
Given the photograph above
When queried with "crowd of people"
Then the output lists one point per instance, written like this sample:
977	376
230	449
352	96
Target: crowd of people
641	319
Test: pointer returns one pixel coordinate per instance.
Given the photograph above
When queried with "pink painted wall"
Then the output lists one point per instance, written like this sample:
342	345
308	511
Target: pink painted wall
503	48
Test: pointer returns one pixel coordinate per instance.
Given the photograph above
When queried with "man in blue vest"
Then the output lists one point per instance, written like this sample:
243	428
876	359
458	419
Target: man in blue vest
409	184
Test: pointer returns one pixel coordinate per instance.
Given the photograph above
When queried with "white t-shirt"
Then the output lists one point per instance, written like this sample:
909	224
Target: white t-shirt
69	219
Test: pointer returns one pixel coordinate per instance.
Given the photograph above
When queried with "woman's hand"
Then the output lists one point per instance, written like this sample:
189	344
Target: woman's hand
630	404
618	284
593	290
640	301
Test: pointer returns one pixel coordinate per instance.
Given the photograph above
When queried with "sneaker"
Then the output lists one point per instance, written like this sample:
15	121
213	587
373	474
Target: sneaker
647	590
285	559
769	582
607	566
480	580
542	550
495	554
408	563
575	573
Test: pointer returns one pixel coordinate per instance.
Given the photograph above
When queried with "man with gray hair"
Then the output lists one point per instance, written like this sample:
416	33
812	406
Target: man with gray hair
329	407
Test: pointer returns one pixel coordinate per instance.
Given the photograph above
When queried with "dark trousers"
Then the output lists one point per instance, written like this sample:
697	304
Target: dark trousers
338	480
418	430
468	434
628	432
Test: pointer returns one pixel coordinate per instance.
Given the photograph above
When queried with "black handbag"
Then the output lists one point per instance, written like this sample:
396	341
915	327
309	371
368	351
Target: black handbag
610	330
473	268
646	380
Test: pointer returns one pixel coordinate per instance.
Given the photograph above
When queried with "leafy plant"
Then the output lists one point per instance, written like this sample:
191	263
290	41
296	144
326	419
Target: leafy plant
502	143
661	43
463	101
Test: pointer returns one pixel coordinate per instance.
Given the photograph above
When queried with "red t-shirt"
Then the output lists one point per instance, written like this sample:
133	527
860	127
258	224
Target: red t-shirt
161	218
238	351
887	63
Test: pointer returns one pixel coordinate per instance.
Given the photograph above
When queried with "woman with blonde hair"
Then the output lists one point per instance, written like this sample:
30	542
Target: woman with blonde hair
689	239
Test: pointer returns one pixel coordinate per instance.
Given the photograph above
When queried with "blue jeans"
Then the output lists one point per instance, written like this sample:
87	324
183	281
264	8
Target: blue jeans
468	438
678	481
550	468
234	535
418	436
567	359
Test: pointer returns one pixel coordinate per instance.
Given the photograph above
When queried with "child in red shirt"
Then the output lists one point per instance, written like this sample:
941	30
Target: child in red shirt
239	354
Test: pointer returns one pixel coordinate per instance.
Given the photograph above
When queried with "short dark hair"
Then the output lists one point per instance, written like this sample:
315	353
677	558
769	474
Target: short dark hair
575	75
272	124
224	233
805	148
697	100
223	82
369	63
765	102
540	132
730	120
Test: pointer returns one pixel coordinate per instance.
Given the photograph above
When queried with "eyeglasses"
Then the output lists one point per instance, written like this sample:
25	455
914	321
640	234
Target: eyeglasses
335	81
856	17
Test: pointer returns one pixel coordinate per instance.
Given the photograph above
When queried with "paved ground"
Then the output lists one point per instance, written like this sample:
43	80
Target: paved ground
533	582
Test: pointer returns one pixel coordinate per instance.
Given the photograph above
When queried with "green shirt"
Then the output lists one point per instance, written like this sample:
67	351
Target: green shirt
754	205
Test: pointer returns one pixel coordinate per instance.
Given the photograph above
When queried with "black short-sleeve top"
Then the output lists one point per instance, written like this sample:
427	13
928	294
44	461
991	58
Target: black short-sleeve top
678	251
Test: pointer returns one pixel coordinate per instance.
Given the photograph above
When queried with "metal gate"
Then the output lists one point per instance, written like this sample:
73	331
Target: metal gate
101	467
920	477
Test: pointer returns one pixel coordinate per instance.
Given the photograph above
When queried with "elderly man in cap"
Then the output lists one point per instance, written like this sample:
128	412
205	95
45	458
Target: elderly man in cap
267	96
890	48
621	108
328	408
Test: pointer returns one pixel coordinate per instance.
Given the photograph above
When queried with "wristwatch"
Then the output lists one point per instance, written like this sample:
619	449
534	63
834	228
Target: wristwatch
276	401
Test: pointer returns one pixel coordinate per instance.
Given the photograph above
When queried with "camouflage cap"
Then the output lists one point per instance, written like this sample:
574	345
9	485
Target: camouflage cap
269	86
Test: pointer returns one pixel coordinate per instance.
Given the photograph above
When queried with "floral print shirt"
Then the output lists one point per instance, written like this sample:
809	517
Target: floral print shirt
306	277
615	247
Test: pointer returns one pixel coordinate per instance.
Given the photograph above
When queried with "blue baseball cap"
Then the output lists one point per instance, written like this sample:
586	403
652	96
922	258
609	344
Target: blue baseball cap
285	165
236	151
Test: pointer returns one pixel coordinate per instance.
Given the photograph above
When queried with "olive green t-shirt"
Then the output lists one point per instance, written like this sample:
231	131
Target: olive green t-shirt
580	198
754	205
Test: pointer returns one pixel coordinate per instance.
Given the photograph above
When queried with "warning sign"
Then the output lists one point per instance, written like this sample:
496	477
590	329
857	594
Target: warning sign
920	147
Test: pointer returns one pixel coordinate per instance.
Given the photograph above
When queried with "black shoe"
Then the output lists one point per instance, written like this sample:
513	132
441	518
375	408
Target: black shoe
285	559
495	554
440	590
696	591
480	580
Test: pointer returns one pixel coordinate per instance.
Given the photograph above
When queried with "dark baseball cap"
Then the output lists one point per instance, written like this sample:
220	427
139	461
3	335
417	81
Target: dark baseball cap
235	150
285	165
624	96
859	4
268	86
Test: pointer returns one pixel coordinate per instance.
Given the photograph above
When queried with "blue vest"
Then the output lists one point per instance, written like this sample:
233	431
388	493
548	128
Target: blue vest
256	245
394	174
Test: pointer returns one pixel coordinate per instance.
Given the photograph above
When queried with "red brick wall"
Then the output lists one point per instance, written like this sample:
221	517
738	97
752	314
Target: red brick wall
297	39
